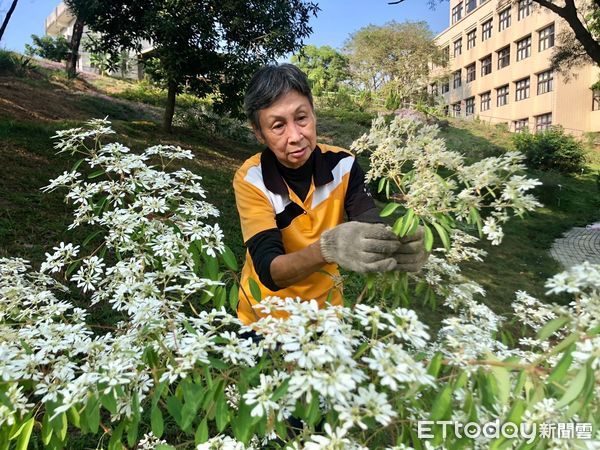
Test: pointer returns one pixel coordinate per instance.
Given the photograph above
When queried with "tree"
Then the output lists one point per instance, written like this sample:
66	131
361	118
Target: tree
7	17
325	67
584	21
206	46
54	48
393	58
71	66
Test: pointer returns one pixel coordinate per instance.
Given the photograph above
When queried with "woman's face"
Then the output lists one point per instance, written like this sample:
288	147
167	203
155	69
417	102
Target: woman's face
289	128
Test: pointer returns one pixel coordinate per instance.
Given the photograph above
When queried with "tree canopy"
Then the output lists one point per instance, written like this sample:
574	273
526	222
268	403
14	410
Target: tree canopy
395	56
48	47
209	46
325	67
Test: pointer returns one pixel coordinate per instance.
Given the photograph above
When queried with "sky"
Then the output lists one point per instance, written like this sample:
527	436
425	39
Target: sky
333	25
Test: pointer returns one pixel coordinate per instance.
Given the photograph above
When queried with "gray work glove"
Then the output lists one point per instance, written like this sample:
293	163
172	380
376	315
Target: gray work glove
411	254
361	247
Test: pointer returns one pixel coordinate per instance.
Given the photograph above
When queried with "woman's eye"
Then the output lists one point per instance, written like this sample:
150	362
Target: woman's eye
278	126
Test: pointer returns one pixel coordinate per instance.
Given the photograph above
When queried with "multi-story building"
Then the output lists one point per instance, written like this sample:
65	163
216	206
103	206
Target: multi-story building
60	23
498	69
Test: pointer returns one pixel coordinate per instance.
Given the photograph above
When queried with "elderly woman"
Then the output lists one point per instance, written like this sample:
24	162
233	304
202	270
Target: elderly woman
292	198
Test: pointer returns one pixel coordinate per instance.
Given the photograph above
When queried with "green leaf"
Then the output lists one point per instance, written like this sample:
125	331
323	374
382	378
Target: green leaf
503	384
548	329
221	413
408	222
74	265
389	209
92	413
381	185
174	406
443	234
255	290
516	412
428	237
435	365
77	164
229	259
164	447
109	402
281	390
47	429
201	434
313	413
96	173
114	442
25	434
90	237
441	404
233	297
561	369
156	421
60	426
74	417
132	433
574	389
220	297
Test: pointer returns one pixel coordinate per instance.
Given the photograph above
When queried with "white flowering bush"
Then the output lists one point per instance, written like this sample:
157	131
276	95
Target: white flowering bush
171	367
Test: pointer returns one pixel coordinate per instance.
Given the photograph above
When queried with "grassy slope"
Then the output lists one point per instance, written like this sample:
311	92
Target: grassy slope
31	222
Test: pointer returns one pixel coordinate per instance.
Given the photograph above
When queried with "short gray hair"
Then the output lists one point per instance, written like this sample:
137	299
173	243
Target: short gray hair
269	83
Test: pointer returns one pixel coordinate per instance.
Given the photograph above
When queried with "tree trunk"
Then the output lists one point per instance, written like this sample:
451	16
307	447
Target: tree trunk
582	34
170	108
7	18
74	48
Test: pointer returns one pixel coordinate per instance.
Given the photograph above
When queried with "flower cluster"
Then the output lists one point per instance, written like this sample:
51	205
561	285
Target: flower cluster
432	180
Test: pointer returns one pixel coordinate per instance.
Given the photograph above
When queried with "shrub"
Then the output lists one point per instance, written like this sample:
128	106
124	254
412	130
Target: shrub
551	150
54	48
174	370
14	64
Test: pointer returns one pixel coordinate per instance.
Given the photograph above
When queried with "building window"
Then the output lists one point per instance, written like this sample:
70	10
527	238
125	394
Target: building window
522	89
457	81
457	12
524	8
596	100
504	19
546	38
521	125
445	86
545	82
543	122
486	29
470	72
503	57
470	106
457	47
433	89
456	110
446	53
486	65
524	48
471	38
502	95
486	101
470	5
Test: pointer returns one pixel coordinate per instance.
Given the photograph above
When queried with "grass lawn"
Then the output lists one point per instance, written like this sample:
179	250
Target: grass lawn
31	222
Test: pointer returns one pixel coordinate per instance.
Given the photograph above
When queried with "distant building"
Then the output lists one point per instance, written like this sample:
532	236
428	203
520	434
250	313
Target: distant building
499	68
60	23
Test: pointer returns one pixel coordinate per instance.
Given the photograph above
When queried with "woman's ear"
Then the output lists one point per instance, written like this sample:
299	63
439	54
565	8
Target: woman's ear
258	134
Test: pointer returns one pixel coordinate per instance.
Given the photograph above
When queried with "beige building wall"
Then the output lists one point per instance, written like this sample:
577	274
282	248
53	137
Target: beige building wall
570	103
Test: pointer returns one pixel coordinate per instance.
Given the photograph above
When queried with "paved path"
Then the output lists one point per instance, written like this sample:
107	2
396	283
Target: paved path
578	245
